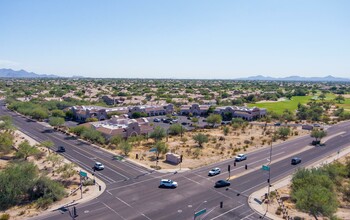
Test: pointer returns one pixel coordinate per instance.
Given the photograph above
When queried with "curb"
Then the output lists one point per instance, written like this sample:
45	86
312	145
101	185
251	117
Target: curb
253	199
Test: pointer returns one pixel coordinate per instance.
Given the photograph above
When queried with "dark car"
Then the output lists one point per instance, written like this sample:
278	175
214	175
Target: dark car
295	160
168	120
222	183
278	124
61	149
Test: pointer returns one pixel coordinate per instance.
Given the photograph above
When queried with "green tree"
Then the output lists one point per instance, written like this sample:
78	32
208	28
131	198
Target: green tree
158	134
322	96
6	143
316	200
17	179
116	140
318	134
58	113
39	113
125	147
46	191
25	150
283	132
176	129
200	138
56	121
214	119
6	123
161	147
339	98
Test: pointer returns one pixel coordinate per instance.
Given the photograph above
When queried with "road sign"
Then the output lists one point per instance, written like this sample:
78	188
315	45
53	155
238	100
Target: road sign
201	212
153	150
265	167
82	173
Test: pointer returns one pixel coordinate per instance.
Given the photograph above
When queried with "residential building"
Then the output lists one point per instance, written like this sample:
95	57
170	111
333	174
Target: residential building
194	109
122	126
241	112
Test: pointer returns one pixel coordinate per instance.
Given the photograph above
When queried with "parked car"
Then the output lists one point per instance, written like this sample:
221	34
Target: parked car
295	160
156	120
61	149
184	123
222	183
99	166
317	125
168	120
277	124
167	183
240	157
214	171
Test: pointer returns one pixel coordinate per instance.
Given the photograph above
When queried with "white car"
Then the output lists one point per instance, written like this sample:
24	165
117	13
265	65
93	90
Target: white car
214	171
167	183
240	157
99	166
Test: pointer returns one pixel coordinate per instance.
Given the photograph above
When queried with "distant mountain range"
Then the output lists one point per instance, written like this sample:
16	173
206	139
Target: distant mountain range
10	73
297	78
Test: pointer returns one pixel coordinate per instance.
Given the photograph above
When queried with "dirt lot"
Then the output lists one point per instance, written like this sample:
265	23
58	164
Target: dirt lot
46	168
220	146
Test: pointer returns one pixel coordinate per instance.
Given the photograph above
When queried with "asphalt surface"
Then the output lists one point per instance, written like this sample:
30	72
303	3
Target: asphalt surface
132	191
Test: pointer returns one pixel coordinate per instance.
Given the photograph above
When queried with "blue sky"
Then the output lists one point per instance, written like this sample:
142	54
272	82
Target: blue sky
176	39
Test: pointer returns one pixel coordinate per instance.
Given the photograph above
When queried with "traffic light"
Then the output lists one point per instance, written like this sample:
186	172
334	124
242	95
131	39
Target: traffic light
181	158
229	168
221	204
268	180
99	188
246	166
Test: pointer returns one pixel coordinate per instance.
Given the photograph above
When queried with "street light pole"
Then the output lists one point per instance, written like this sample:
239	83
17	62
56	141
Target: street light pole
269	179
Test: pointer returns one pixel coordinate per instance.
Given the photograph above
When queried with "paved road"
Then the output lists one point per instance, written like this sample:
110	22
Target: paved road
132	191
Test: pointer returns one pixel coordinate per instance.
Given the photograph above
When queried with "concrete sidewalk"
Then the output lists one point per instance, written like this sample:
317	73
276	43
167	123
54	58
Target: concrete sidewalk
255	200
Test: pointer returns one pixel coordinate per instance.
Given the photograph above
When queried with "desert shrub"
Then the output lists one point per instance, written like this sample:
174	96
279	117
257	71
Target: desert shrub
44	202
5	216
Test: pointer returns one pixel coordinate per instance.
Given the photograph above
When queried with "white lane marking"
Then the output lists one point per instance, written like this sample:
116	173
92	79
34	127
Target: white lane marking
135	167
191	180
82	165
248	216
227	212
113	210
132	207
123	202
157	177
105	167
73	146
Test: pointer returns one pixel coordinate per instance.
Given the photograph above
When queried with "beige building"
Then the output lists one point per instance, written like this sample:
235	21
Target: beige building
122	126
194	109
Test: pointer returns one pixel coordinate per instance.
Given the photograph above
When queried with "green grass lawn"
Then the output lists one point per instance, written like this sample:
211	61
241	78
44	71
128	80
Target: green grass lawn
292	105
279	107
345	105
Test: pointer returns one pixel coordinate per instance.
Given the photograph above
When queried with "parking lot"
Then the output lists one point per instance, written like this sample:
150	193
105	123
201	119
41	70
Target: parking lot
185	121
